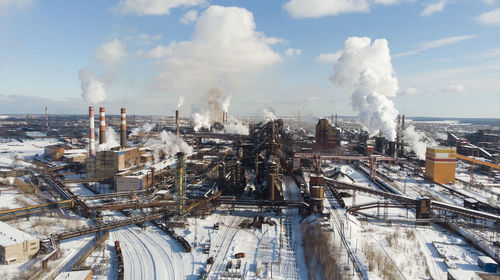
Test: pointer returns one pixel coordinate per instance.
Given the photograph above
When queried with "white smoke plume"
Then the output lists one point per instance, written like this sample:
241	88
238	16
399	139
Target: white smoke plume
365	70
168	145
417	141
211	111
112	140
235	126
268	115
180	102
146	127
94	87
202	120
93	90
225	103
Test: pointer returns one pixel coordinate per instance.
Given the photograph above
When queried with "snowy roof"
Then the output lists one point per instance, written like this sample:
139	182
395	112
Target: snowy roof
74	275
10	235
459	274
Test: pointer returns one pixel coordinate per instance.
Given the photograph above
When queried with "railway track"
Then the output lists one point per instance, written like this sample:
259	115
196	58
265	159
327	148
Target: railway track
337	220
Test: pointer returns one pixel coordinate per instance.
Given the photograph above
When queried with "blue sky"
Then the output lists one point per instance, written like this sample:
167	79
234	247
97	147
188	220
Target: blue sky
280	54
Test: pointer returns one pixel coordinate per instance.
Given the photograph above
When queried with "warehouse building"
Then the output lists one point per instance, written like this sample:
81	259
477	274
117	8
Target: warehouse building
16	246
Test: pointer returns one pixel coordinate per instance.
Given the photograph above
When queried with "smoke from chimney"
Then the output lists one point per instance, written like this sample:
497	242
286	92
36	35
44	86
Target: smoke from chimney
365	70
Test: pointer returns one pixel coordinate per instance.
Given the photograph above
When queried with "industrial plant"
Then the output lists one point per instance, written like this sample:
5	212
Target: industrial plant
279	199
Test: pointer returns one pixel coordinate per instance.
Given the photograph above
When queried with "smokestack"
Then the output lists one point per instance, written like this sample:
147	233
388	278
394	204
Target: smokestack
46	120
123	134
336	122
91	132
402	146
102	126
177	123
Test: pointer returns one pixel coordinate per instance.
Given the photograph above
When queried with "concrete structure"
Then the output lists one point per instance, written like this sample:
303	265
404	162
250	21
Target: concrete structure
16	246
75	275
102	126
128	183
91	133
54	152
440	164
123	130
327	137
108	163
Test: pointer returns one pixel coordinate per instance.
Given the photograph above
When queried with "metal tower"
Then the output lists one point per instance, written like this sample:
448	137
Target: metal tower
180	183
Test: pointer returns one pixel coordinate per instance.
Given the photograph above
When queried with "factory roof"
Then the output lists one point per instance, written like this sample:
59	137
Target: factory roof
10	235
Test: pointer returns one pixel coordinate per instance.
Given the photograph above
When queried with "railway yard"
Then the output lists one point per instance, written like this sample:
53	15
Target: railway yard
275	201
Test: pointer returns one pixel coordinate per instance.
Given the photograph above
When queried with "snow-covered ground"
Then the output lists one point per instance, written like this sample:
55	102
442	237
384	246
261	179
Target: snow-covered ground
402	250
14	153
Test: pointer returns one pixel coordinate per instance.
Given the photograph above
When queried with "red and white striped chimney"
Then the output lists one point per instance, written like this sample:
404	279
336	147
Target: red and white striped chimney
123	135
102	126
91	132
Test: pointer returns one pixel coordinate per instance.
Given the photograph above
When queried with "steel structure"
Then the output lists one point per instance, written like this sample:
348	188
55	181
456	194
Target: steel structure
318	157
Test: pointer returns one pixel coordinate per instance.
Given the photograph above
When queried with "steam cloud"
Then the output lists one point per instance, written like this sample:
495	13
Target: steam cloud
180	102
93	90
168	145
268	115
112	140
147	127
417	141
365	69
235	126
212	110
94	87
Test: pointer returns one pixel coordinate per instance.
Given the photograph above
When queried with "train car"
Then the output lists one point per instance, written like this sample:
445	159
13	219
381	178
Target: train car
471	203
119	260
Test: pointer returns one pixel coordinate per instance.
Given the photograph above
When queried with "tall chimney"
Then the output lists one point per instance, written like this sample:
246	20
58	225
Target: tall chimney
177	123
123	134
402	152
102	126
91	132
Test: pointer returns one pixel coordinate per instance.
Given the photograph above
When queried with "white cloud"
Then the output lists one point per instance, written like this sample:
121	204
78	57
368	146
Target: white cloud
153	7
320	8
110	53
489	2
293	52
409	91
433	8
427	45
489	18
160	51
189	17
481	78
328	57
454	88
486	54
6	5
225	44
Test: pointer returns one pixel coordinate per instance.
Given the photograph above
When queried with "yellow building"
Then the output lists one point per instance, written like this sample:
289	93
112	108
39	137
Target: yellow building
440	163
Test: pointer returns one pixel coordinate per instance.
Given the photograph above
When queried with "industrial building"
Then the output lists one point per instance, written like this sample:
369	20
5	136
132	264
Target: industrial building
15	245
440	164
54	152
327	136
